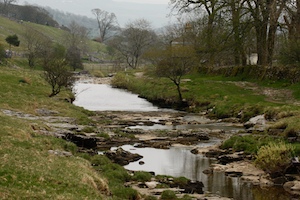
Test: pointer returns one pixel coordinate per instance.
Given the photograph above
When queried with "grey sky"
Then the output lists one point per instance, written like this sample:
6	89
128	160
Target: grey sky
155	11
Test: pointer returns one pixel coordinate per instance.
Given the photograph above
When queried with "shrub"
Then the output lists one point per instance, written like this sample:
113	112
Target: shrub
168	195
248	143
280	125
126	193
250	112
274	157
120	80
291	133
98	73
104	135
186	197
142	176
181	181
88	129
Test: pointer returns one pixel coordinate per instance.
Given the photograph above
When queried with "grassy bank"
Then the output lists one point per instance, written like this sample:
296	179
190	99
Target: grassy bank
28	170
238	97
222	96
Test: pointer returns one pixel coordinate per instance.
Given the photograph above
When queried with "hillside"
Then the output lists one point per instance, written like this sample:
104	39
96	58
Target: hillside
35	165
10	27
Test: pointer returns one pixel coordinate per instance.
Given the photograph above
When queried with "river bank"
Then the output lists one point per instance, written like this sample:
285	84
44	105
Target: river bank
143	128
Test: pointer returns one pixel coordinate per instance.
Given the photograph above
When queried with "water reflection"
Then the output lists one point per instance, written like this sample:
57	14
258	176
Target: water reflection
102	97
176	162
179	161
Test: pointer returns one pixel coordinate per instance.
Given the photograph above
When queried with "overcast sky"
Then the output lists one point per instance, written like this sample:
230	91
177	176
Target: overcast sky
155	11
146	1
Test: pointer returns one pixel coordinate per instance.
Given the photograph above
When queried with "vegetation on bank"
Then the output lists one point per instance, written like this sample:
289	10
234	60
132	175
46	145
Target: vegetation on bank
28	169
235	95
222	96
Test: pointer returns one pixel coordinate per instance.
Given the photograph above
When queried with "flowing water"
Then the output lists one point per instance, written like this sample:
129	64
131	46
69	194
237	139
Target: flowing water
102	97
176	161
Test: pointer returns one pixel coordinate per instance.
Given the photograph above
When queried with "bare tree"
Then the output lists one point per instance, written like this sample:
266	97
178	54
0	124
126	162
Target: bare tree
107	22
5	4
212	9
134	40
76	43
292	19
56	69
173	62
265	15
36	42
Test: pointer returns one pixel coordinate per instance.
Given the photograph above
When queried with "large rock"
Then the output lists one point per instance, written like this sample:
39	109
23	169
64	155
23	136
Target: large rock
152	184
229	158
258	122
122	157
193	187
292	187
82	140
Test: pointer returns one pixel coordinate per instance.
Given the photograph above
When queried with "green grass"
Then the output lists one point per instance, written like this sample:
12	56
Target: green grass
222	94
250	144
29	171
10	27
28	97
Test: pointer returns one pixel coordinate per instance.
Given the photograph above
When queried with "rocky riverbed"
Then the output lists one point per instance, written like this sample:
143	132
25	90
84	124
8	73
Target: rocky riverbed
114	129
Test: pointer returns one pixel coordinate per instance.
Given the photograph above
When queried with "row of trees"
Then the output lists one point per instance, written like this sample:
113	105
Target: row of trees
221	32
214	33
211	32
236	22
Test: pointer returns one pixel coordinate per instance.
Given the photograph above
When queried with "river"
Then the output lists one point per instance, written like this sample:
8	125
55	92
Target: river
176	161
102	97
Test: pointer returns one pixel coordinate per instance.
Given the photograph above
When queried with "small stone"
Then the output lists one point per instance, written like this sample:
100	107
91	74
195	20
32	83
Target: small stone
151	185
141	162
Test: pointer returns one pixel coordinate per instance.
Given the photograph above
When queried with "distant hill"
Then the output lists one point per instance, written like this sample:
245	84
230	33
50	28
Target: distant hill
65	18
28	13
10	27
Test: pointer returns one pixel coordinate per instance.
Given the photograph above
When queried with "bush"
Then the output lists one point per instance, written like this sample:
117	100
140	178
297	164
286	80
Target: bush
150	198
126	193
142	176
104	135
98	73
168	195
250	112
120	80
88	129
181	181
274	157
248	144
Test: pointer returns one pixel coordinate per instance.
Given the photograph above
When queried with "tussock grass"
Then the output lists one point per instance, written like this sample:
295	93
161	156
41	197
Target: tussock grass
274	157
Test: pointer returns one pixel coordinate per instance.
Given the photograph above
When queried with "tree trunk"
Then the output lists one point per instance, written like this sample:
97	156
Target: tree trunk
179	92
235	26
261	44
271	43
